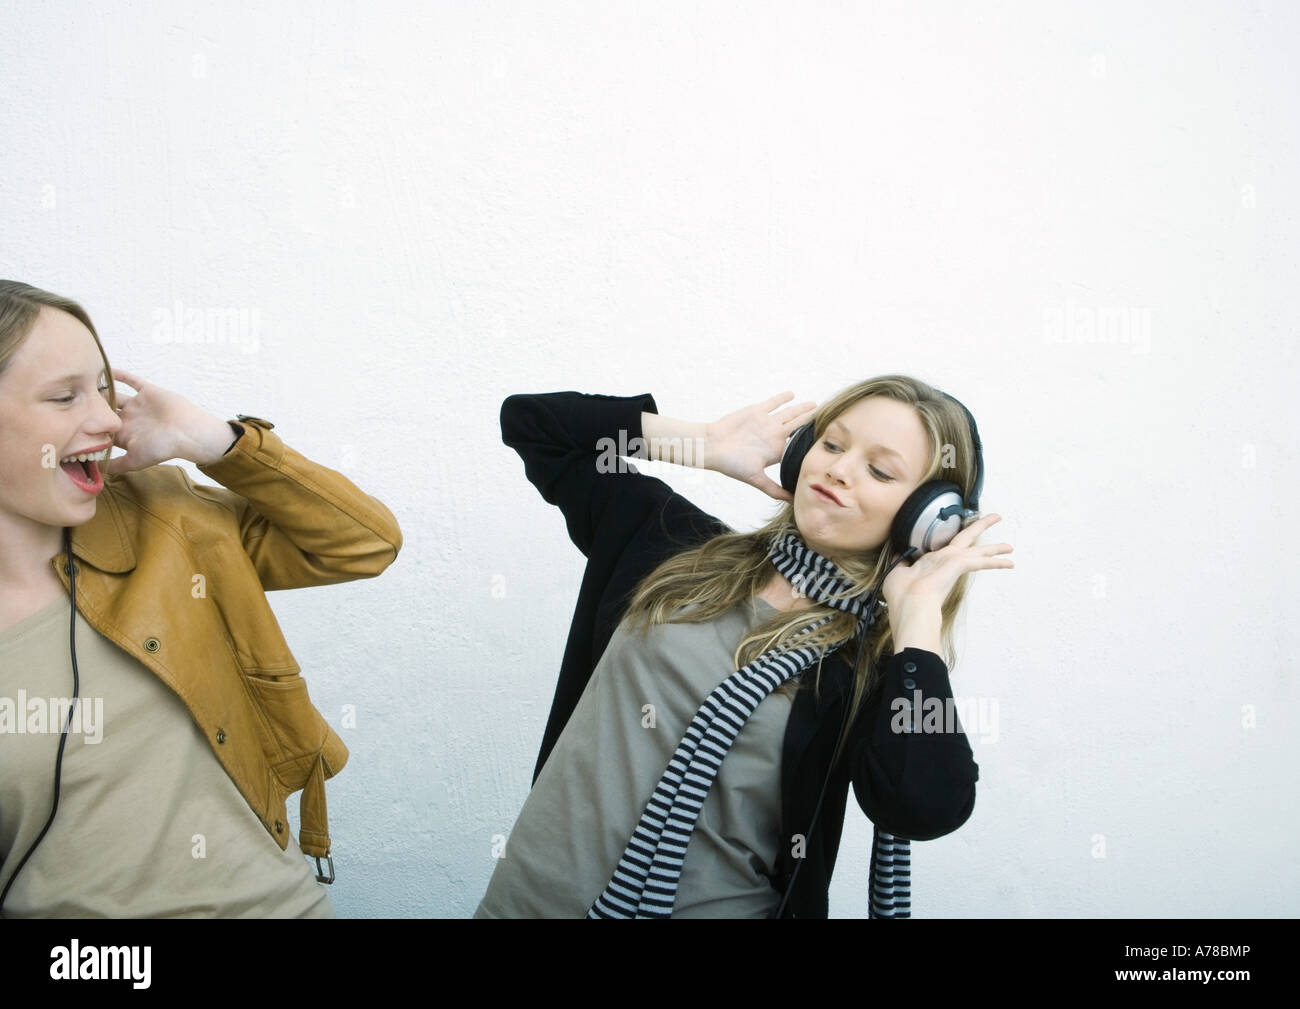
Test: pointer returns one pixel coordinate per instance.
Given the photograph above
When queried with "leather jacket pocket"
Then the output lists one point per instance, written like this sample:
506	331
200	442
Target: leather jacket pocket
295	772
297	727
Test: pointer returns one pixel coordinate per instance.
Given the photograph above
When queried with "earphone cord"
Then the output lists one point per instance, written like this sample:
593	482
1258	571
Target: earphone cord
871	608
76	693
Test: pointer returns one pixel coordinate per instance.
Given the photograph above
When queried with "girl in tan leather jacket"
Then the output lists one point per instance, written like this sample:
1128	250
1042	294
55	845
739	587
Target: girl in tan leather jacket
151	734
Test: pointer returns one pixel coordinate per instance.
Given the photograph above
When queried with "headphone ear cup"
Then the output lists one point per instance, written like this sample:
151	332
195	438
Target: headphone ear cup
919	511
792	459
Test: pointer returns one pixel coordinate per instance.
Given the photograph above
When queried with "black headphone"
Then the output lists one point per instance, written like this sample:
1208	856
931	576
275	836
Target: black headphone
932	514
928	520
71	570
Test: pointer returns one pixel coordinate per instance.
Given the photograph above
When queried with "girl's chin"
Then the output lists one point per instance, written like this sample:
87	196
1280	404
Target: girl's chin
834	550
75	515
827	549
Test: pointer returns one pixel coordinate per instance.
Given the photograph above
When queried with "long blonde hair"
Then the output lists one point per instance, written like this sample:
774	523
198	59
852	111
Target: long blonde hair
732	567
21	304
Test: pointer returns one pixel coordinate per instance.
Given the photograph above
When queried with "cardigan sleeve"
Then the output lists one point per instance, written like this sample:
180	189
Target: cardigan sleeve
572	445
624	522
917	784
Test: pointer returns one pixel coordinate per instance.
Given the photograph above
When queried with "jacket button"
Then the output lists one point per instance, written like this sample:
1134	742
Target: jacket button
279	827
909	667
221	735
72	569
152	644
909	684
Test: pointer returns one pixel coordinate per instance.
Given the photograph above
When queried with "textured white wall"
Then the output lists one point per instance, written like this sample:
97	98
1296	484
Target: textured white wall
1079	220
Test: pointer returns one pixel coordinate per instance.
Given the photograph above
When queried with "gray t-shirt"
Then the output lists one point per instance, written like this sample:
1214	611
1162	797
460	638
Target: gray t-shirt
149	823
576	821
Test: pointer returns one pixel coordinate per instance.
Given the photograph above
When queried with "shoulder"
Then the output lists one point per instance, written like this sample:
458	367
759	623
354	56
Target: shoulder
666	527
679	522
166	492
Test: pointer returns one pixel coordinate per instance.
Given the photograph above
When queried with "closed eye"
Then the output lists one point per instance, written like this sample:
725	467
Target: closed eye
70	397
884	477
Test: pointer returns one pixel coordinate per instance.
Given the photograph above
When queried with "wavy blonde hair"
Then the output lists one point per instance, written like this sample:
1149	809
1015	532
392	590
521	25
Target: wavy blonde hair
21	304
714	577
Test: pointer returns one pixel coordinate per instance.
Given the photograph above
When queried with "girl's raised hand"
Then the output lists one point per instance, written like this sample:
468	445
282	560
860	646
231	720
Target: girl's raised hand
744	443
158	425
933	574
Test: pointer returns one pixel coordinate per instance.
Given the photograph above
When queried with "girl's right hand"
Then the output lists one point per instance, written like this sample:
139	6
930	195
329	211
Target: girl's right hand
743	444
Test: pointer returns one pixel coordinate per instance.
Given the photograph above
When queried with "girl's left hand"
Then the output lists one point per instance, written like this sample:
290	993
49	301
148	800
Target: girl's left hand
158	425
933	574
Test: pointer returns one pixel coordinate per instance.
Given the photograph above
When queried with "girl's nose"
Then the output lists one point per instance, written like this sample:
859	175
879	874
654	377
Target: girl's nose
106	417
836	470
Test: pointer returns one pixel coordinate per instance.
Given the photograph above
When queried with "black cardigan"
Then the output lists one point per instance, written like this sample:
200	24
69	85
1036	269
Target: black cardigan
913	785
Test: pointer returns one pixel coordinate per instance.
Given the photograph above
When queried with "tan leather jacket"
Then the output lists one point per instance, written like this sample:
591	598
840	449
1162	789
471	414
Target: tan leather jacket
175	574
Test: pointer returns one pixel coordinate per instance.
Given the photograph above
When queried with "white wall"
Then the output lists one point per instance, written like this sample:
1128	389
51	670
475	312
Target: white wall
423	208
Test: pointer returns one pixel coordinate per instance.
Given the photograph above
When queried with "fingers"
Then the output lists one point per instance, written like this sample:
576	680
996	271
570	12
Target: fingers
972	532
990	560
115	465
130	378
975	557
804	411
793	416
771	488
985	555
790	413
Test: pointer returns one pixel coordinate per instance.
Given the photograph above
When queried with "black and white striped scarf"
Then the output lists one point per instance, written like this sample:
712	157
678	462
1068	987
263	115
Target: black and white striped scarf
644	884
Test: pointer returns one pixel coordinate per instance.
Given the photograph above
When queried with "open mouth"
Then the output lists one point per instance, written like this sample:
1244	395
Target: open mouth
83	470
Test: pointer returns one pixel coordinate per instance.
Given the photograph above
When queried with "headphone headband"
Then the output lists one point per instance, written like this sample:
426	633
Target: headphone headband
974	499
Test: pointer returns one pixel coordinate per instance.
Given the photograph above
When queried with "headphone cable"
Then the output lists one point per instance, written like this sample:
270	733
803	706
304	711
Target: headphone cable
871	607
76	692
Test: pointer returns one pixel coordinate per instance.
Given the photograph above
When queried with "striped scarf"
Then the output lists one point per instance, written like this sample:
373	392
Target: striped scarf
644	884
